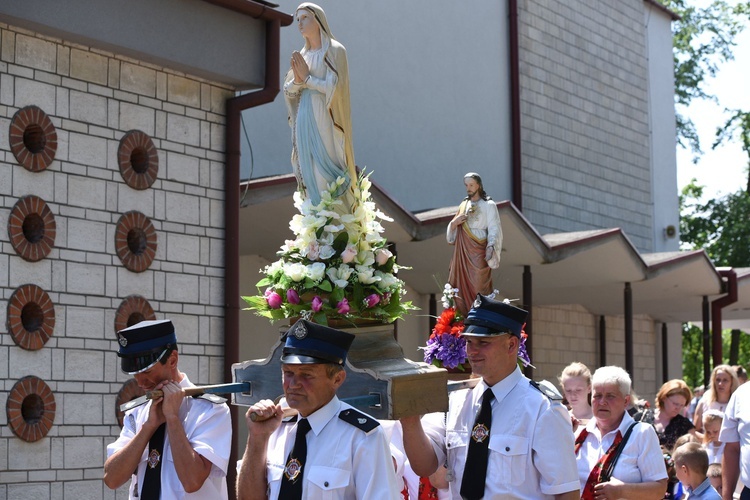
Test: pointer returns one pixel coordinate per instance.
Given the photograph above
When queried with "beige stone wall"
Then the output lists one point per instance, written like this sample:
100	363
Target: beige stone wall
93	98
567	333
585	117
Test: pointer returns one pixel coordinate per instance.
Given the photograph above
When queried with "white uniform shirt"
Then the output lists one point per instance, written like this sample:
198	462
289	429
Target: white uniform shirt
531	441
343	461
736	428
208	427
641	459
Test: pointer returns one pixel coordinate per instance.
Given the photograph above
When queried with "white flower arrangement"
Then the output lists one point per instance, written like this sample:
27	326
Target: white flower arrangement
338	265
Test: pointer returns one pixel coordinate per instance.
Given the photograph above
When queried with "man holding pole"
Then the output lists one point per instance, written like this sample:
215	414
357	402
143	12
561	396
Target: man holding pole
328	450
173	446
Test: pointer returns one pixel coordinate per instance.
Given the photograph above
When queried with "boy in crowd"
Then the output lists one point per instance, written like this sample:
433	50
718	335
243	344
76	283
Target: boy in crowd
714	475
691	466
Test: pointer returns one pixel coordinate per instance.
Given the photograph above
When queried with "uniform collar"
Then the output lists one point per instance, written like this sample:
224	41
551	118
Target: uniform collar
503	388
320	418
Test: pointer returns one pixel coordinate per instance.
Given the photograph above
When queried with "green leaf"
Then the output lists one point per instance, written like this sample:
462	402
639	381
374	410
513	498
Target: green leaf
339	244
320	318
337	295
325	285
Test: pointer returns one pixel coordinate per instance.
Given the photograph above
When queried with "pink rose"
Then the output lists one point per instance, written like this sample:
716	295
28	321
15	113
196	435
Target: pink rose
372	300
317	303
274	300
292	296
343	306
348	254
382	255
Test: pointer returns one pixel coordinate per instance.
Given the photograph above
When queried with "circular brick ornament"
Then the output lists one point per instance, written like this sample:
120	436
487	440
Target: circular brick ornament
31	317
132	310
32	228
128	392
30	409
138	160
135	241
33	138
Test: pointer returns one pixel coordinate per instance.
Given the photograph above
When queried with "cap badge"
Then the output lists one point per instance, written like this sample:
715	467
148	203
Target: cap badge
477	302
153	459
480	433
122	340
292	469
300	331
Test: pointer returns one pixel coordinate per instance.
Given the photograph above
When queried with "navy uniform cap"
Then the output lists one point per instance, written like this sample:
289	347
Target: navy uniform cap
143	344
489	317
309	343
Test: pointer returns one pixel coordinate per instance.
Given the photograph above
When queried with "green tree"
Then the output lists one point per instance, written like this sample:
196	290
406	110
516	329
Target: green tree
721	227
736	127
692	355
703	38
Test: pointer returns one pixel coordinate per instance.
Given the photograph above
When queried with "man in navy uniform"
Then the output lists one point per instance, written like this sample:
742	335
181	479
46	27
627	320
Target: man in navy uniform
173	447
504	438
330	450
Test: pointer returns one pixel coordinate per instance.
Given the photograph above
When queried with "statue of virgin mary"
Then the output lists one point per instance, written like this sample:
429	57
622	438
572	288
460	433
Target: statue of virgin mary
316	90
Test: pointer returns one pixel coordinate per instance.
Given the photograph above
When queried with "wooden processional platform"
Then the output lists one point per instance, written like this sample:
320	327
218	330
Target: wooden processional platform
379	380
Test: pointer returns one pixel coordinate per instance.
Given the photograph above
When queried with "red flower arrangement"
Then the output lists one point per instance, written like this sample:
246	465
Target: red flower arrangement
446	347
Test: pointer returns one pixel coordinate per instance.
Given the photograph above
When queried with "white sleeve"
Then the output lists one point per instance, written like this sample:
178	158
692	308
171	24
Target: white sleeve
374	476
729	432
556	464
434	427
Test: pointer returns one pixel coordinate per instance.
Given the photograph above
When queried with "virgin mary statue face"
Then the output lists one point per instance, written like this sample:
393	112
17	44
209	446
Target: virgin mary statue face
307	24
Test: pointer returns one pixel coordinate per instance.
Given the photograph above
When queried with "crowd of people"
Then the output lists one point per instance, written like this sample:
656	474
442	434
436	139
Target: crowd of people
507	437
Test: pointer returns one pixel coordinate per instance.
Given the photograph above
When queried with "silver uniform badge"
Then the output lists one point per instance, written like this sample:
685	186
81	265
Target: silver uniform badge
122	340
300	331
477	302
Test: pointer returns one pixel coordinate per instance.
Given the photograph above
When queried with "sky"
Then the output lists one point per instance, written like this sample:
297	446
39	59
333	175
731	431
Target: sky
723	170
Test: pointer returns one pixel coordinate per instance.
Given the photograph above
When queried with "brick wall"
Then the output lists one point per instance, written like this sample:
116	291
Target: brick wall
93	98
584	117
567	333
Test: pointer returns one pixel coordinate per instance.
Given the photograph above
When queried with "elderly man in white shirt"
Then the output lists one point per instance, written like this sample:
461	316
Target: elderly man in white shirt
618	457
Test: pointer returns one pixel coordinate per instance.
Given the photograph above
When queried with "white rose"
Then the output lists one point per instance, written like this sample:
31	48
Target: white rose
295	271
316	271
326	252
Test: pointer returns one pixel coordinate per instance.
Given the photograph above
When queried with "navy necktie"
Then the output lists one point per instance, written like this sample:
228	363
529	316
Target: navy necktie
152	480
291	483
475	471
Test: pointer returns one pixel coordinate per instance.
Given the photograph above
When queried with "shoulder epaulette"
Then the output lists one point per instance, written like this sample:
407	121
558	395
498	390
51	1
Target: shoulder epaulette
547	389
359	420
213	398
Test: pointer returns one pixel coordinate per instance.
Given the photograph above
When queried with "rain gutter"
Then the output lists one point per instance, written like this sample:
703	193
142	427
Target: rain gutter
234	107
